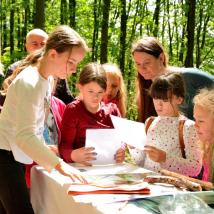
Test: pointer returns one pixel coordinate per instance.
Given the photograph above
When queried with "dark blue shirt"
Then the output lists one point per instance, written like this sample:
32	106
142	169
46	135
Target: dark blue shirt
195	80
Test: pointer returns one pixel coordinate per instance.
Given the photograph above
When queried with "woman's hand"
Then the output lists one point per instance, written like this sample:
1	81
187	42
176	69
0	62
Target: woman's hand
67	170
155	154
83	155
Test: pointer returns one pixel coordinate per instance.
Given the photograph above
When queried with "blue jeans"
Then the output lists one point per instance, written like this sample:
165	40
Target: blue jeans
14	194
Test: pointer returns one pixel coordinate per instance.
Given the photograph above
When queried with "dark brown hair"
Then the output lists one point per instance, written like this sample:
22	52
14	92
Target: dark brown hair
167	85
152	46
93	72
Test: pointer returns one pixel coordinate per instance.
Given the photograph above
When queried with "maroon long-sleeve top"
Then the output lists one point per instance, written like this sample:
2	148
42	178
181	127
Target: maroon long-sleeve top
76	120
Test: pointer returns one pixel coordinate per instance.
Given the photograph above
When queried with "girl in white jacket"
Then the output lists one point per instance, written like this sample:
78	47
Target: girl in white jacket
23	114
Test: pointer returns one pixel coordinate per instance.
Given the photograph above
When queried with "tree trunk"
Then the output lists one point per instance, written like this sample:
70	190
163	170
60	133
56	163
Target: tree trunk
12	12
204	17
169	29
123	28
104	31
94	55
39	18
156	17
182	48
72	12
19	44
5	36
190	32
27	18
63	11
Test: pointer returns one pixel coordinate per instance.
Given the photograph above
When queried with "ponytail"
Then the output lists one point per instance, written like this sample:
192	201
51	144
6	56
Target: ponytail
31	59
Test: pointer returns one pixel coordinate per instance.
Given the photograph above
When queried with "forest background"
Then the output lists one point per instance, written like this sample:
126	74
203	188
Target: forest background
184	27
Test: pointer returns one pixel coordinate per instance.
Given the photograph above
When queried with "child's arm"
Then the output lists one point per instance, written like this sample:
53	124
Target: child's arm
191	165
155	154
83	155
139	155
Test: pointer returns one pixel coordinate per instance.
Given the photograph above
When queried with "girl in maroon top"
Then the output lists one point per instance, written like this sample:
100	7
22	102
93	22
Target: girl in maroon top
86	112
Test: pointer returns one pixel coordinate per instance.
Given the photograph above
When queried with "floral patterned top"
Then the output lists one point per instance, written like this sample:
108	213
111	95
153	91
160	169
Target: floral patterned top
163	134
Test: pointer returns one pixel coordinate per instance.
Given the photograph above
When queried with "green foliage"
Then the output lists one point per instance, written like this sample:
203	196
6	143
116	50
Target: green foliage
171	31
8	58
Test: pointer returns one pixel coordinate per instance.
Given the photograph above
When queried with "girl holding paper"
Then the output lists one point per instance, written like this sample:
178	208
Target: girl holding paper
171	137
87	112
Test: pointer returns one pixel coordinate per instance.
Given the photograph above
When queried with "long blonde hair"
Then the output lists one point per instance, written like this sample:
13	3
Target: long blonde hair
205	99
114	71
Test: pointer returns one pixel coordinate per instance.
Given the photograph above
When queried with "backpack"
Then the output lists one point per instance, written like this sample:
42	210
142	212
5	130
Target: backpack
180	133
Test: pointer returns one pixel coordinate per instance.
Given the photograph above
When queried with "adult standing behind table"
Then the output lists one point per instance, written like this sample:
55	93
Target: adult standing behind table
151	61
23	114
36	40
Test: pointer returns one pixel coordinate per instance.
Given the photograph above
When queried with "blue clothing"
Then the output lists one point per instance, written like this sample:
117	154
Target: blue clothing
195	80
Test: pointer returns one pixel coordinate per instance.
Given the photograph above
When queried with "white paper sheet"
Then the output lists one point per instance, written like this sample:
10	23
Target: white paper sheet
106	142
130	132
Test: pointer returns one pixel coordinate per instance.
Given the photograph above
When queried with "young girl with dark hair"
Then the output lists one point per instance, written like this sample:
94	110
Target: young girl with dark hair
171	137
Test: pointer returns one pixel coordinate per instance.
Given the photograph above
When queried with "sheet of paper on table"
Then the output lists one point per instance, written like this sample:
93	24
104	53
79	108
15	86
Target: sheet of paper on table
130	132
106	142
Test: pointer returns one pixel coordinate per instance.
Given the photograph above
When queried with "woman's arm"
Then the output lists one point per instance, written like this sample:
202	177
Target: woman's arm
29	95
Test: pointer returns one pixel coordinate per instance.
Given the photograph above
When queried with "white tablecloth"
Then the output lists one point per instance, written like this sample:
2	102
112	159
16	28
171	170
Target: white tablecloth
48	193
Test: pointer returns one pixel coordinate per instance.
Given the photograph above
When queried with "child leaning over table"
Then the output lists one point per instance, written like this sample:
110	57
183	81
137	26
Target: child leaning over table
204	123
168	147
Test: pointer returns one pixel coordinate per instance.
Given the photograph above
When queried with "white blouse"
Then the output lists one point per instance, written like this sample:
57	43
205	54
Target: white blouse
163	134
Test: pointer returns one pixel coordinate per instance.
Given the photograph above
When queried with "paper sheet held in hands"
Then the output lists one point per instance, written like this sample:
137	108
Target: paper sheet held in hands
106	143
130	132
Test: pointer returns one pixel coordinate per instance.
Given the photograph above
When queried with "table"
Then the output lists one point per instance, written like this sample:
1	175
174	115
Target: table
48	193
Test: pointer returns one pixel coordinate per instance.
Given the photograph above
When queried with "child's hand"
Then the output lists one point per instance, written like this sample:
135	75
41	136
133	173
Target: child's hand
155	154
120	155
67	170
54	149
83	155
